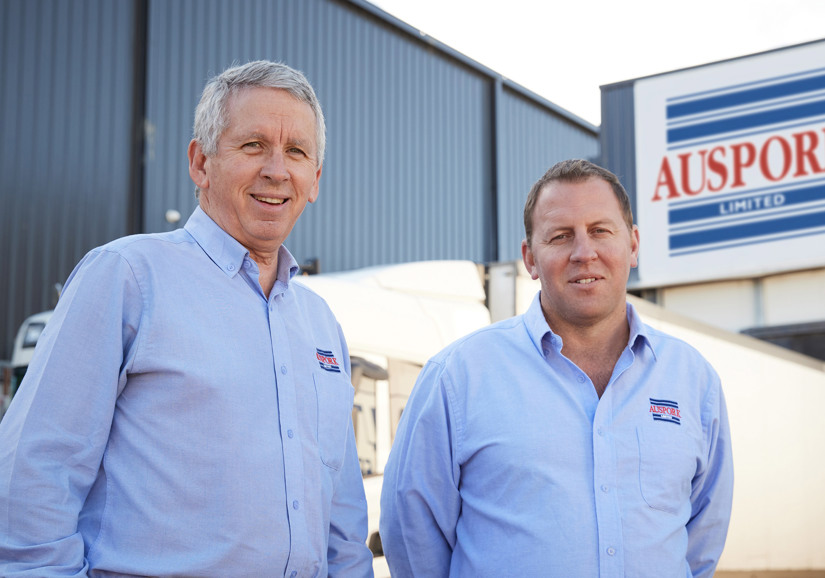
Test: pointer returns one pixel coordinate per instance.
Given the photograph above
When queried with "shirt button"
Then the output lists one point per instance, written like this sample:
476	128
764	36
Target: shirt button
294	504
247	264
600	432
611	551
230	267
294	574
605	489
289	433
283	369
581	379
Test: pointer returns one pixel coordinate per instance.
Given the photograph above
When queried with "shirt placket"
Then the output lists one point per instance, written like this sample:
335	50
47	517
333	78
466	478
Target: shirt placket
605	478
294	477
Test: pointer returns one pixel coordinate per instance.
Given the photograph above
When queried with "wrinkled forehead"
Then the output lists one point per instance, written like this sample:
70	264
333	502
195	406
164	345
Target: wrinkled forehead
258	109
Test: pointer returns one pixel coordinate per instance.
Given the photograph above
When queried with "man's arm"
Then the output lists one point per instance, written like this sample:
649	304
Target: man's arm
712	492
53	437
420	501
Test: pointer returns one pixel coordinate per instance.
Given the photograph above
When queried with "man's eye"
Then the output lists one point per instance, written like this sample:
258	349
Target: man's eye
295	151
252	145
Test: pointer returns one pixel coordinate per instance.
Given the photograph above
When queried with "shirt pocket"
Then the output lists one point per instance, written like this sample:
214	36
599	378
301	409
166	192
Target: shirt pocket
334	395
667	464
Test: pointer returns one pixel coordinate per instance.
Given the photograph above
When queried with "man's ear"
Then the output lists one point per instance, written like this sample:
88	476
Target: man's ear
197	165
529	261
634	247
314	193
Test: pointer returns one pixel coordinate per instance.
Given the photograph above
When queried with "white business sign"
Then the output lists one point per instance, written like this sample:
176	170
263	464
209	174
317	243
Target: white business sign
730	168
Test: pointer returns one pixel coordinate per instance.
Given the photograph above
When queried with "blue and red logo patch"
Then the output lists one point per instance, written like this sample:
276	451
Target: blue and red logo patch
665	410
327	361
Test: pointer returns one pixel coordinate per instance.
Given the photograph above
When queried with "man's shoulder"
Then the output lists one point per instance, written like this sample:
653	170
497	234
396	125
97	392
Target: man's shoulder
486	341
145	242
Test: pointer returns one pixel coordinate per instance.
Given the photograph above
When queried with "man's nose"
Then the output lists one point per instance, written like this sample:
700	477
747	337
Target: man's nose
584	249
274	167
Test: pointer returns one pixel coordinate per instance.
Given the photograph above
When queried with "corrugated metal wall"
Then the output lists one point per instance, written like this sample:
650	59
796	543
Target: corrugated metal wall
531	140
618	140
618	134
65	113
409	146
430	155
410	172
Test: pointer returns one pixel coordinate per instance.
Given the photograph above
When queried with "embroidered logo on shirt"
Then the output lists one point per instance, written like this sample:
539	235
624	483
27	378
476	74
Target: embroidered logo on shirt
327	360
665	410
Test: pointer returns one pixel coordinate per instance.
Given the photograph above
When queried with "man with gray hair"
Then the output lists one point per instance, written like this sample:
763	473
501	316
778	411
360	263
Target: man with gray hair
188	408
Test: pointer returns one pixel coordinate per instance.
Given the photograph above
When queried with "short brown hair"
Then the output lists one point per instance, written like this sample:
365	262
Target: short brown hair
575	171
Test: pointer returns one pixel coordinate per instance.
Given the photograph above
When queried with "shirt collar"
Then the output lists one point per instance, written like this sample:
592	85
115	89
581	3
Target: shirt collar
541	335
227	253
639	332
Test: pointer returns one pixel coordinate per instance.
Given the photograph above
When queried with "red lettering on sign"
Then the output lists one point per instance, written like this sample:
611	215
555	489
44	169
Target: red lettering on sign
665	179
804	153
786	158
715	170
739	163
718	168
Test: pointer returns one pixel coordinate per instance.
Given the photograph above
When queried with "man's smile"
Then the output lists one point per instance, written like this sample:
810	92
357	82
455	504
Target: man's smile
269	200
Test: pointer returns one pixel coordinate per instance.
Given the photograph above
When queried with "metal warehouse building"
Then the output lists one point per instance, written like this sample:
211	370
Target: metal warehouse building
430	155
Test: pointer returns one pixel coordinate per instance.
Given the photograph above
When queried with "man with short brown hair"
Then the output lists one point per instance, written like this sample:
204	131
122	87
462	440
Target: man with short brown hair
573	440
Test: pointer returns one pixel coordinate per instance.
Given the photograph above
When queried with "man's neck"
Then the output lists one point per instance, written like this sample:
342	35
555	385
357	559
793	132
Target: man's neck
267	270
595	349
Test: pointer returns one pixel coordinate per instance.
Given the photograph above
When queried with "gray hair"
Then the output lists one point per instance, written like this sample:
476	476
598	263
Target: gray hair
211	113
575	171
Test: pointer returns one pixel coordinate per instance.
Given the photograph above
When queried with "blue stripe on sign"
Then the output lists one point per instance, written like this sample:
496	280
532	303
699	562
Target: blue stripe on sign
746	96
772	239
746	121
694	144
760	82
768	227
711	210
664	402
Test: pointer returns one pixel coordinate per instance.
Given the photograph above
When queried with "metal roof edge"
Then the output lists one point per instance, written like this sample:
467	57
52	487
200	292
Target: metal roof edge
422	36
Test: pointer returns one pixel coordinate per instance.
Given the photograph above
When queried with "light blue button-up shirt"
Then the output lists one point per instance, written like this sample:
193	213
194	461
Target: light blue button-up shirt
507	463
176	421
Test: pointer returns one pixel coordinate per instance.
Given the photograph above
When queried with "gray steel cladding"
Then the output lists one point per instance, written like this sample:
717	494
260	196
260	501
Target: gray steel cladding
408	127
66	116
429	155
531	140
618	139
